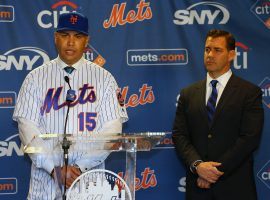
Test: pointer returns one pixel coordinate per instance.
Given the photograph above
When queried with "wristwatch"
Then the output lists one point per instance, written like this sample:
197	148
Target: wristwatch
194	166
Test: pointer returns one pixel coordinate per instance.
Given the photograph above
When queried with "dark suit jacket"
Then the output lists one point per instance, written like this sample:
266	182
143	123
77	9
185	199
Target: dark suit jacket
231	138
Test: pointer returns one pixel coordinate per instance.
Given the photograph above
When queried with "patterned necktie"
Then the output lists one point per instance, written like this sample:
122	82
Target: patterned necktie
69	69
211	103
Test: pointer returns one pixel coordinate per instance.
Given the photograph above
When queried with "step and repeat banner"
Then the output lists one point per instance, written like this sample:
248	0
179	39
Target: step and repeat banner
154	48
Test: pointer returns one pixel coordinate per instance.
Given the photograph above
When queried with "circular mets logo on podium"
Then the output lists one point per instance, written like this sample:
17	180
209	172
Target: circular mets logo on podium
99	184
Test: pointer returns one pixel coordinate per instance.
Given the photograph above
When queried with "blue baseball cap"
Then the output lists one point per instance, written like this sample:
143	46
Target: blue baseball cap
73	22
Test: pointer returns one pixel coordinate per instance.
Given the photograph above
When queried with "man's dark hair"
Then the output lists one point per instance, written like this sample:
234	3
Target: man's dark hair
221	33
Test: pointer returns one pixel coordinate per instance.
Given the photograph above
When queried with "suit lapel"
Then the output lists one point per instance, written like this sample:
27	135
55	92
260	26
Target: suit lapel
228	91
201	96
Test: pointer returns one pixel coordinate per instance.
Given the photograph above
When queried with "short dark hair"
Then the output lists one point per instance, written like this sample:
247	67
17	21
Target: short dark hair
221	33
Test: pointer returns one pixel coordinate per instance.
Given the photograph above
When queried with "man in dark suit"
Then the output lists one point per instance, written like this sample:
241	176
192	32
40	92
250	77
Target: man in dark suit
218	126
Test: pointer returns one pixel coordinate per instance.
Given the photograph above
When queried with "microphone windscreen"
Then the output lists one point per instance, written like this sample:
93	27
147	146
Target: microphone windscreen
67	79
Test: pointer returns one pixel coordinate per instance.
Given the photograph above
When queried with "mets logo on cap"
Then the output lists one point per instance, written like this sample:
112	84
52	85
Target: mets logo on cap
73	22
73	19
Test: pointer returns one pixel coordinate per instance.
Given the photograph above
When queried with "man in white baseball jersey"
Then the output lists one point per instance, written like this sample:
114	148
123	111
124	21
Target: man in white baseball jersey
42	107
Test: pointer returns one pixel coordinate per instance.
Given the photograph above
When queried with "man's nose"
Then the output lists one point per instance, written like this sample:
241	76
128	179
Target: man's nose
210	53
71	40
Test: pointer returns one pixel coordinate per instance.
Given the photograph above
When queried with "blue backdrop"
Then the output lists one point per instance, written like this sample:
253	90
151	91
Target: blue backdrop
153	48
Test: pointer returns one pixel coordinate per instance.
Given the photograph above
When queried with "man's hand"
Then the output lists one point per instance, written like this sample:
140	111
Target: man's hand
202	183
71	174
209	172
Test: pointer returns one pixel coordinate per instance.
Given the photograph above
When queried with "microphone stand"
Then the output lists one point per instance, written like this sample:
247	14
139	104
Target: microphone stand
66	143
65	146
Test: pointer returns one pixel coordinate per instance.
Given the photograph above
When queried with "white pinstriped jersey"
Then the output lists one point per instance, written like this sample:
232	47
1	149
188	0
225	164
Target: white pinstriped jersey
42	101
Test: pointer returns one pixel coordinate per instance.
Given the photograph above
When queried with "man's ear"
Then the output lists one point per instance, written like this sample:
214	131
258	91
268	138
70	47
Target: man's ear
87	41
232	55
55	36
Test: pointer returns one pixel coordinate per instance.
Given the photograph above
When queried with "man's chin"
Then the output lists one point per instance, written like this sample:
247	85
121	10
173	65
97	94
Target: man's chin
70	60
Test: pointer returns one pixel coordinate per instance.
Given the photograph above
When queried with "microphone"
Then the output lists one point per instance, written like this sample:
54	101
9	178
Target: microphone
70	97
67	81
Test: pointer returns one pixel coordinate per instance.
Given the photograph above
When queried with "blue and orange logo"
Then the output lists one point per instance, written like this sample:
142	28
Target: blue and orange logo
6	13
73	19
265	86
8	186
144	57
8	99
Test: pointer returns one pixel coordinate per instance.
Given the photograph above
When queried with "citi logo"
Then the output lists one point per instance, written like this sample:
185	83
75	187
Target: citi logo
6	13
201	14
9	146
264	174
49	19
261	10
241	59
8	186
94	56
265	86
7	99
23	58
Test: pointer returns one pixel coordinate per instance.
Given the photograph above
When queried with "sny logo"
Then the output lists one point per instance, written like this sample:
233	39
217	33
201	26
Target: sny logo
9	145
19	59
265	86
202	16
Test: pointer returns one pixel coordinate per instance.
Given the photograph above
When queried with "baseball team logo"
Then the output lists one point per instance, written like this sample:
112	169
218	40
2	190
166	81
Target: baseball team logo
73	19
99	184
142	12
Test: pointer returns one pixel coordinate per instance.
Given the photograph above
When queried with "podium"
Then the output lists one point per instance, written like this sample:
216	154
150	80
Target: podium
115	142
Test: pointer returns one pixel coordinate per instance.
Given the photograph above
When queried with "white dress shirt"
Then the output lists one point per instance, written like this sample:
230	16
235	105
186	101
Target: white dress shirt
222	82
